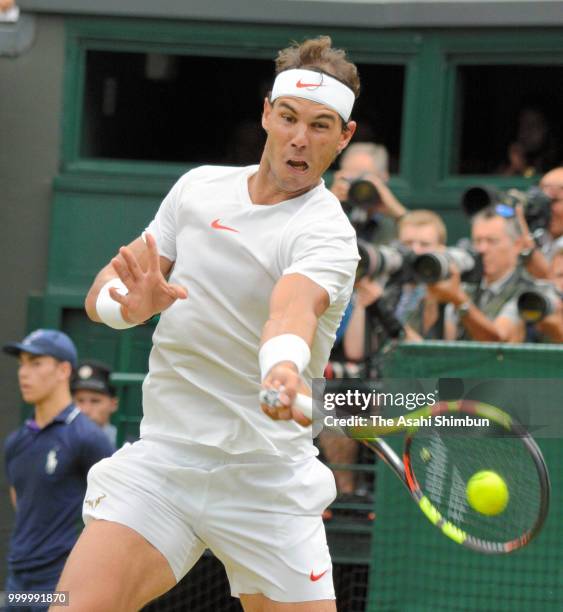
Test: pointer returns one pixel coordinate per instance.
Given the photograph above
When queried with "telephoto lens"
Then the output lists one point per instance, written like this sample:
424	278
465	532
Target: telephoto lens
433	267
363	193
377	260
538	302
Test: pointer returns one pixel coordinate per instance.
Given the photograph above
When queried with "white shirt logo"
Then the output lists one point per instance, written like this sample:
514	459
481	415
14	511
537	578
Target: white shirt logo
52	461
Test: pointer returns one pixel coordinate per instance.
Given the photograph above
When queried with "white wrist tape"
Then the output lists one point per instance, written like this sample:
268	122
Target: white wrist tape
287	347
108	309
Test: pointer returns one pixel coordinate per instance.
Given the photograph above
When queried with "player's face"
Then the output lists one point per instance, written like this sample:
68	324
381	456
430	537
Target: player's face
498	250
303	139
39	377
420	238
98	406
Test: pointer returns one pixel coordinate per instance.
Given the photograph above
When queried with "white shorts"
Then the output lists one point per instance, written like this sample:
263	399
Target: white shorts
259	516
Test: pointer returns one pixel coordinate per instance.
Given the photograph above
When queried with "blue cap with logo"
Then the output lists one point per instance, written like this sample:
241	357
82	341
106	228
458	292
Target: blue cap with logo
45	342
92	375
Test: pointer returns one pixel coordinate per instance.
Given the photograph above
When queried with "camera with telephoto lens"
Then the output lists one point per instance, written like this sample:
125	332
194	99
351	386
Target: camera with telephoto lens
536	205
433	267
538	302
363	193
362	196
381	260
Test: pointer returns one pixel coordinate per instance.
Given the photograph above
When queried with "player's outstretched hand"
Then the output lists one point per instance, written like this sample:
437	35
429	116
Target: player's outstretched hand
148	291
284	377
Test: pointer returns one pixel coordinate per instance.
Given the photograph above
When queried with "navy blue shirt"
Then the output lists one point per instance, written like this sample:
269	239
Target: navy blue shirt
48	468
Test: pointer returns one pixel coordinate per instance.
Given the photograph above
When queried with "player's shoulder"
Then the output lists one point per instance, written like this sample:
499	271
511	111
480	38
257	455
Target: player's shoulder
208	173
323	207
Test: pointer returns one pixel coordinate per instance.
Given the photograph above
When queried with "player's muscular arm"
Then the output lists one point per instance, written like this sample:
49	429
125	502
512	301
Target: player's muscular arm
295	307
144	273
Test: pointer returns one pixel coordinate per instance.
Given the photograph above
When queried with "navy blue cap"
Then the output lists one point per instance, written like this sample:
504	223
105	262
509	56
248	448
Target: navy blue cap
45	342
92	375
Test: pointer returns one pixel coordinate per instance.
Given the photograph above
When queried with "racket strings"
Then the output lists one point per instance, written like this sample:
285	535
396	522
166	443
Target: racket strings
443	460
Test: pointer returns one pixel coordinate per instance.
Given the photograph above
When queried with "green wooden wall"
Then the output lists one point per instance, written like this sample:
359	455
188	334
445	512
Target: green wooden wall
99	204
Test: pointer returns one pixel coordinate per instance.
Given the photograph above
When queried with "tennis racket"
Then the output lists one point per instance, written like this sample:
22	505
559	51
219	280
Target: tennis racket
438	461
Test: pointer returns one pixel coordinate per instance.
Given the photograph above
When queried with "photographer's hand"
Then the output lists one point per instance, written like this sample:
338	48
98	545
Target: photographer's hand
534	260
552	325
389	205
367	292
449	290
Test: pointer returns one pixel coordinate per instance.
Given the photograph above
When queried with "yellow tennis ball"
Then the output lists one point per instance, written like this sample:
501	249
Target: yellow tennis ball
487	492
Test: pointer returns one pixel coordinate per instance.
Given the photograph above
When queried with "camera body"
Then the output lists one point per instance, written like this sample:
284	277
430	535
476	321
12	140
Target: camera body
536	205
362	197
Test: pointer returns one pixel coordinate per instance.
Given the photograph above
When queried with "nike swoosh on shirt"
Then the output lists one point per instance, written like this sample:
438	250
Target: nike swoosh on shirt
314	577
299	84
215	224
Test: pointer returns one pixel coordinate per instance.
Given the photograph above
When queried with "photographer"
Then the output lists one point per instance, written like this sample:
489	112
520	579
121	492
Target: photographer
487	311
420	231
373	212
552	185
542	305
537	253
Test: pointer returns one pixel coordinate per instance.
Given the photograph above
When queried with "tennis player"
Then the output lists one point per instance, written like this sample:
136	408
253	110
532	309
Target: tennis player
268	258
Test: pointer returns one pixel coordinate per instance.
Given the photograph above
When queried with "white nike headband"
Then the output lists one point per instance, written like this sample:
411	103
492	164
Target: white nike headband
317	87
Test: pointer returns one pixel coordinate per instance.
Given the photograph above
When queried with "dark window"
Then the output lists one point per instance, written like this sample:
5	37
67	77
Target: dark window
157	107
379	109
509	120
173	108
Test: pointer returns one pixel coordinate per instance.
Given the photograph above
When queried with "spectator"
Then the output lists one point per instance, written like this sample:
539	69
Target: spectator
534	149
487	311
47	460
552	185
368	161
94	395
537	256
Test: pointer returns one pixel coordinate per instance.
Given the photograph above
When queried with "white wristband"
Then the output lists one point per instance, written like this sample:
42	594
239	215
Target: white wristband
108	309
287	347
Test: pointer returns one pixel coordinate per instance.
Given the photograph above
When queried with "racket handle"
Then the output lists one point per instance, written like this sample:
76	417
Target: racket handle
304	403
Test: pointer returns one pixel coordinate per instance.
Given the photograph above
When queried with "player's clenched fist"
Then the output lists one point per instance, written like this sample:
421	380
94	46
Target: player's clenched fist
284	376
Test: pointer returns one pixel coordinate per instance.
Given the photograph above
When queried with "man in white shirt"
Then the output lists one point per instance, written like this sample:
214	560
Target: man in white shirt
269	259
